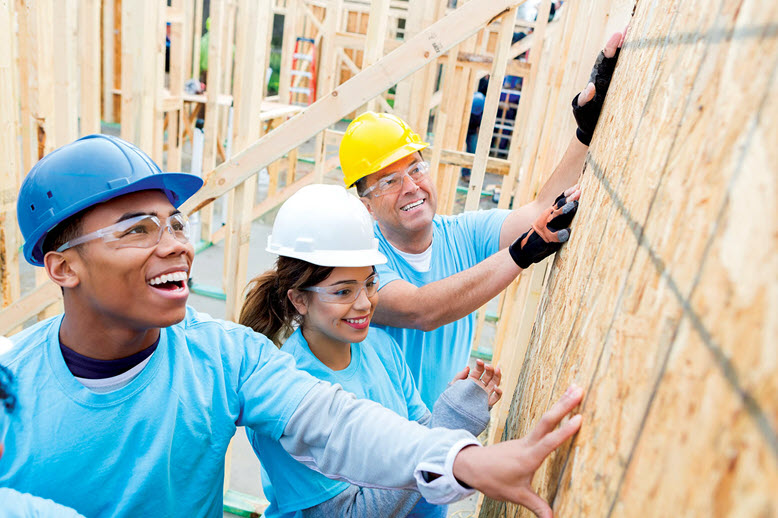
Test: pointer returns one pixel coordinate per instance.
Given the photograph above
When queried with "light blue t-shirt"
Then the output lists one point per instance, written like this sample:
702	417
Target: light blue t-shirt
458	243
156	446
376	372
14	504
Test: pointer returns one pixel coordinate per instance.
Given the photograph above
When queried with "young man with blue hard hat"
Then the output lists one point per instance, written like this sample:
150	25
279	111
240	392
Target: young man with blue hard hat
442	268
130	398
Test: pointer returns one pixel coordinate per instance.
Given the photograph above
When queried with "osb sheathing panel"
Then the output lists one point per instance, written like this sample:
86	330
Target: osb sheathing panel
664	305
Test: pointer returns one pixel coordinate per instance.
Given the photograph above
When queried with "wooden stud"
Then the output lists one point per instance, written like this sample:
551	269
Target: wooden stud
108	60
287	49
197	38
9	168
140	33
376	36
214	76
89	56
490	111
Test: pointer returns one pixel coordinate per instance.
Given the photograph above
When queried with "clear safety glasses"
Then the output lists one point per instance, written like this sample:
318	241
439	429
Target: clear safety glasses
392	183
345	292
138	232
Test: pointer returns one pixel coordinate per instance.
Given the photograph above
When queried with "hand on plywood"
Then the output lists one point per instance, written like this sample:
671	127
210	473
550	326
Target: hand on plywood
487	377
587	105
548	232
504	471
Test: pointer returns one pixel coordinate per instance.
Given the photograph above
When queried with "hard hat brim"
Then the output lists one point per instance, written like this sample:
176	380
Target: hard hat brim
390	158
334	258
178	187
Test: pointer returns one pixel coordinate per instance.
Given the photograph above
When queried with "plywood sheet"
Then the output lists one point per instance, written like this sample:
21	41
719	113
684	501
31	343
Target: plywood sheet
663	305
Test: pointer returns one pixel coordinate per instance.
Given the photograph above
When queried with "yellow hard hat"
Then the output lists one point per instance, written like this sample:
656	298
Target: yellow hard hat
372	142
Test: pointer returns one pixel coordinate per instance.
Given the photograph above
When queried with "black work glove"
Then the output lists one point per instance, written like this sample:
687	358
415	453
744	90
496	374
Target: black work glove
547	234
586	116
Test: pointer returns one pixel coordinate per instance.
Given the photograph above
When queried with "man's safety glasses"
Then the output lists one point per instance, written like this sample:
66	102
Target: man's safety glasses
346	292
392	183
142	231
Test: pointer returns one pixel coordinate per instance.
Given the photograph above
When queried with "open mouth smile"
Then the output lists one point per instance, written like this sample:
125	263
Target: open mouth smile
412	205
357	323
171	282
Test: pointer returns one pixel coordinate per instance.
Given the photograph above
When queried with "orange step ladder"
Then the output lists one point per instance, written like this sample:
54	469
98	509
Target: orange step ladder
302	91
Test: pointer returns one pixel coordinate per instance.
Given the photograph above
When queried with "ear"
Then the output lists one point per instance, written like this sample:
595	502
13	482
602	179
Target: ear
298	300
61	268
366	202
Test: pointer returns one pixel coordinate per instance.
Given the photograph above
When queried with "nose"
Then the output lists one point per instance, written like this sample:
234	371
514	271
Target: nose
411	185
170	245
362	301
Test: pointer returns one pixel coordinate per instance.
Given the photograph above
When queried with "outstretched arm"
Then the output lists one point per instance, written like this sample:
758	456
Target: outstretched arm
361	442
438	303
569	169
405	305
435	304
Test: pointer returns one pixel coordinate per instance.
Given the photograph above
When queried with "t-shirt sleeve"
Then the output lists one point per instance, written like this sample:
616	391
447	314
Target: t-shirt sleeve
270	387
416	407
482	228
385	275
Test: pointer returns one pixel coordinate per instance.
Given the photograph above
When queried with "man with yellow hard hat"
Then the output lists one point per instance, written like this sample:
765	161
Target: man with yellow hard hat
442	268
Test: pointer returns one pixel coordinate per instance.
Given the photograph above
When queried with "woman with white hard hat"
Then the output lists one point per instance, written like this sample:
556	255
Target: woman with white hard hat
318	300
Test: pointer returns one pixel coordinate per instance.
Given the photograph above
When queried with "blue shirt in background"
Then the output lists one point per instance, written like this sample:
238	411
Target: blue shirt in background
458	243
377	372
156	446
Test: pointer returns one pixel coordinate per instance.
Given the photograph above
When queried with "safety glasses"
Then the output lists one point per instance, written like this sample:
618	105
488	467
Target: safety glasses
346	292
138	232
392	183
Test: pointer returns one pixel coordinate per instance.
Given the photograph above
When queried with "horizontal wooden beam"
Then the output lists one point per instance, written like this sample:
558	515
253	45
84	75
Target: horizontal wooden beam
423	48
480	61
28	306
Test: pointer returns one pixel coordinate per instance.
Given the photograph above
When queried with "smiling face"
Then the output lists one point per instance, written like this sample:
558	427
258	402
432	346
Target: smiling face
407	212
134	288
334	322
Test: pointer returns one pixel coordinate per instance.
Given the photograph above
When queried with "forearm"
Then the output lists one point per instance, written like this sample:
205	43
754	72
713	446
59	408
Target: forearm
363	443
362	502
441	302
566	173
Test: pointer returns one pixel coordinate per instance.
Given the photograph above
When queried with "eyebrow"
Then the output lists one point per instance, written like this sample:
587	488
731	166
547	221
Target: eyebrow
129	215
352	281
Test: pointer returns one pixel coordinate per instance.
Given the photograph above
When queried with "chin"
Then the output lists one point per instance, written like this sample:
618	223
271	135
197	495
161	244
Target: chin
170	317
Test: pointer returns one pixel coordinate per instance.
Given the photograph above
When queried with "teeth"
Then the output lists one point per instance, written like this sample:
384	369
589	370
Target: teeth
412	205
169	277
357	320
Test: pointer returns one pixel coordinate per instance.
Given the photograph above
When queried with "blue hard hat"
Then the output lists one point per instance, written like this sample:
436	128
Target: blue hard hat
477	107
91	170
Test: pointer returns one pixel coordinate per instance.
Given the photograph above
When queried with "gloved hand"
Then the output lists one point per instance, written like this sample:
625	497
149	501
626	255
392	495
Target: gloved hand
547	234
588	110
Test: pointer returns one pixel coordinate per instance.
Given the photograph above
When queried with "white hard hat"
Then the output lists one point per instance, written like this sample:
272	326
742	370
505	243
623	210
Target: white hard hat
325	225
5	344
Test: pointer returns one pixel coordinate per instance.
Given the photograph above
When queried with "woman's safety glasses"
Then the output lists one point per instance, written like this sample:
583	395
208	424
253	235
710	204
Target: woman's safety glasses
392	183
345	292
138	232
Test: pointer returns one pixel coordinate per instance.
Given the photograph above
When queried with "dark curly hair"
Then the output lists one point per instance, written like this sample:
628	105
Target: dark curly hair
7	399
